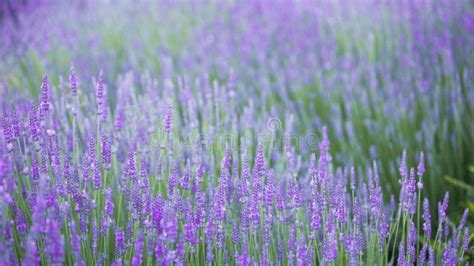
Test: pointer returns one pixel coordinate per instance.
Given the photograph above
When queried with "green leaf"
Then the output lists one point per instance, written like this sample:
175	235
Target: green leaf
471	168
460	184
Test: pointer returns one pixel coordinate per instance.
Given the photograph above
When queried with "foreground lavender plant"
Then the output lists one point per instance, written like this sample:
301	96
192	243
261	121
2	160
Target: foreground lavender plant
109	206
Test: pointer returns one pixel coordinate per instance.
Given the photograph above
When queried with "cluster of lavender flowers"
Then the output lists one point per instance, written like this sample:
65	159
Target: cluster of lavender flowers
80	186
347	65
236	132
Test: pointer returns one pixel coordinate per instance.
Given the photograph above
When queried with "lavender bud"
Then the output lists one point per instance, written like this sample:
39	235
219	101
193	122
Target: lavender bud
44	93
442	207
73	82
138	250
100	90
421	166
167	119
426	218
465	242
462	223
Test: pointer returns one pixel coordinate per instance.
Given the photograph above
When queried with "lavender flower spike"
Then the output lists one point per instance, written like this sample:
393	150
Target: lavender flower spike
44	93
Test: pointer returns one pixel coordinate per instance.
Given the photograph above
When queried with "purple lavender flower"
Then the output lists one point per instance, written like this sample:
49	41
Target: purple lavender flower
422	255
16	125
91	151
200	209
120	245
109	203
351	245
401	254
280	199
245	168
426	218
302	254
106	152
294	193
442	207
324	155
137	200
339	203
357	212
7	133
313	168
383	231
254	210
465	242
197	182
100	91
315	215
97	179
291	246
259	171
95	237
376	200
75	242
119	118
411	242
235	232
353	179
243	259
167	119
144	185
32	256
73	82
173	178
83	208
44	93
280	252
269	191
431	257
219	203
446	229
209	233
130	167
169	224
54	245
21	223
103	112
449	256
421	166
159	249
180	252
462	223
157	212
186	178
138	250
191	230
330	246
85	172
220	235
408	193
375	172
403	166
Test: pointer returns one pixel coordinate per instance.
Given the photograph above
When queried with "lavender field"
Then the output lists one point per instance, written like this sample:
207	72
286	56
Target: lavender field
252	132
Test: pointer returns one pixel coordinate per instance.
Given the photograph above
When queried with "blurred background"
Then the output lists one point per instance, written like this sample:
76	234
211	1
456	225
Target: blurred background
383	76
